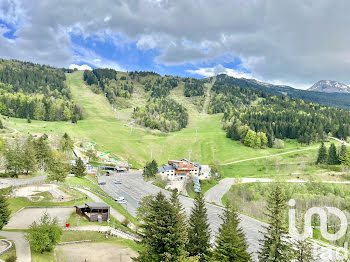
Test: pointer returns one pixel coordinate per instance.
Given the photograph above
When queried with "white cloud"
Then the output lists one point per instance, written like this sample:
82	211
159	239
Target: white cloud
217	70
90	57
80	67
288	41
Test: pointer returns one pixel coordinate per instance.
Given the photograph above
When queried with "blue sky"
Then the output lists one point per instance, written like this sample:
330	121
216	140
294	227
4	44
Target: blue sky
129	57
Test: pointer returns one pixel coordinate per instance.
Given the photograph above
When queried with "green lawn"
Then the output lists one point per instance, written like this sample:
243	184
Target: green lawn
112	135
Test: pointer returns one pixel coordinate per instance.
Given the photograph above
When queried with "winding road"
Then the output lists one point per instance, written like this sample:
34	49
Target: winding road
22	246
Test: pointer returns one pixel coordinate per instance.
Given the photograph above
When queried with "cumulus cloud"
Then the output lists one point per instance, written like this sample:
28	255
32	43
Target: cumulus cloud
289	41
217	70
80	67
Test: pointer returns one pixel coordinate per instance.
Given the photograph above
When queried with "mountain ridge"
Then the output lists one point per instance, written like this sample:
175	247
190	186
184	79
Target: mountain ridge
330	86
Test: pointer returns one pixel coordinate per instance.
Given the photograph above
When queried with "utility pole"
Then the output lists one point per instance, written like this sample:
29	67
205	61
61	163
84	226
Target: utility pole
189	154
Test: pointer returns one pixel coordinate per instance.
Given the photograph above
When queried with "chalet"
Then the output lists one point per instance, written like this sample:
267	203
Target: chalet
180	169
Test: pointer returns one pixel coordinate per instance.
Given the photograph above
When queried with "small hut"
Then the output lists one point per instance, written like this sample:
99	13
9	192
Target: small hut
94	211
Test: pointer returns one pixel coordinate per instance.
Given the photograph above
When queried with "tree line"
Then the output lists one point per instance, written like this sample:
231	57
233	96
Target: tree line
104	80
333	156
26	155
278	117
29	90
163	114
167	234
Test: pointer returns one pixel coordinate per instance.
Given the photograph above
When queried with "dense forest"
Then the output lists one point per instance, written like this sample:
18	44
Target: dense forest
193	87
161	86
35	91
106	81
163	114
250	115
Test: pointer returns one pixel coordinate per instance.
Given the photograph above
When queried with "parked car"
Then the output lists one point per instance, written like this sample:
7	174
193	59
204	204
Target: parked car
121	198
117	182
107	173
122	202
101	183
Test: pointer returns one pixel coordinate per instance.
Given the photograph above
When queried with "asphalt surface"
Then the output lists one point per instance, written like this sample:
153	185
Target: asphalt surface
134	188
6	182
22	246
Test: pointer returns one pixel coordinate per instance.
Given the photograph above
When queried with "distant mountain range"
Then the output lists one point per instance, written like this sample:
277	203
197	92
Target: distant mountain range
329	86
337	99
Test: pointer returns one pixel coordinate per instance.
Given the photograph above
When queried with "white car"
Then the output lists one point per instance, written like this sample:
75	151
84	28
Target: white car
121	198
122	202
117	181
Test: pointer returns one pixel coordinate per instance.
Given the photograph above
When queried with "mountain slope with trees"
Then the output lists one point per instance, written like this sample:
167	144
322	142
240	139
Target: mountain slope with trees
34	91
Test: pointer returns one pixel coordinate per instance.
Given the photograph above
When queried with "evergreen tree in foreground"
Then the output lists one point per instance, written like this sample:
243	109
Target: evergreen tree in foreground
79	169
199	231
4	211
332	155
231	244
342	152
276	246
164	238
322	155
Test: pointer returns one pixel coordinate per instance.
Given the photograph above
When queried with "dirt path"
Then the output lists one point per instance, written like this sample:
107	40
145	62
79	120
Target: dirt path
22	246
260	157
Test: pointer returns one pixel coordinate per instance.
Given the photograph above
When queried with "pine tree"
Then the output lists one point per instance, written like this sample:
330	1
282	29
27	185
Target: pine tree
346	159
342	152
4	211
322	155
28	119
231	244
303	249
79	169
163	236
199	231
332	155
14	156
275	245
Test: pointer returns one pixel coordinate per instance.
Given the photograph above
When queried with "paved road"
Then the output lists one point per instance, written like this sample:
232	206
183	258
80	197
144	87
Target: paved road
215	194
133	188
6	182
22	246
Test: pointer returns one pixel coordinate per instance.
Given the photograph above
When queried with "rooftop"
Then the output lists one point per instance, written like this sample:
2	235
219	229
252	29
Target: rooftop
96	205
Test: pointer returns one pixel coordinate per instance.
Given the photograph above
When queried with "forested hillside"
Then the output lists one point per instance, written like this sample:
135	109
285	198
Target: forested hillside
164	114
250	115
29	90
106	81
329	99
